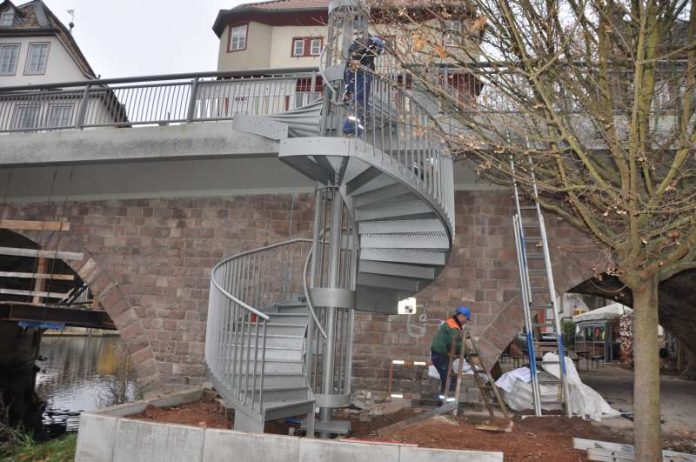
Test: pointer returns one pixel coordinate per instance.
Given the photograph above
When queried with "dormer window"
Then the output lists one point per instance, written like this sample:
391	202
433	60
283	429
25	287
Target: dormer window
7	18
37	57
9	54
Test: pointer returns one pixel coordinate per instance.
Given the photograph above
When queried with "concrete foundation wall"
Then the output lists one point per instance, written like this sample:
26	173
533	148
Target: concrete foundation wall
148	261
109	436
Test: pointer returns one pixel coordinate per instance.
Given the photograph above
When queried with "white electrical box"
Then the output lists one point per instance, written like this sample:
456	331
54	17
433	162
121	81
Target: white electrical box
408	306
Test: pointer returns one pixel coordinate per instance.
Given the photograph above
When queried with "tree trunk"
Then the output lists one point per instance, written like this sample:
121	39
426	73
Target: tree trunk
646	384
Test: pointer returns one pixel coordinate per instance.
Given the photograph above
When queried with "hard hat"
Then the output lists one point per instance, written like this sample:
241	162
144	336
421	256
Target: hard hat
465	310
377	43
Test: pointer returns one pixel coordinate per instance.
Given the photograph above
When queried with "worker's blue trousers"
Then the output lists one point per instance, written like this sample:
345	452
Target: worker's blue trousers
441	363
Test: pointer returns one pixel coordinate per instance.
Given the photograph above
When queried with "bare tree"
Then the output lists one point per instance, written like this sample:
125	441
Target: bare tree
596	97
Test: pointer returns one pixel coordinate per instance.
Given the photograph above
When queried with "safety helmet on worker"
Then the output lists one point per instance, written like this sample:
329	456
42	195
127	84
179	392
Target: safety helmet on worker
377	43
464	310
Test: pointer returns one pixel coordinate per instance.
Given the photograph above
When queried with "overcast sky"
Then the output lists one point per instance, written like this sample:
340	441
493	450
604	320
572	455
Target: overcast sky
123	38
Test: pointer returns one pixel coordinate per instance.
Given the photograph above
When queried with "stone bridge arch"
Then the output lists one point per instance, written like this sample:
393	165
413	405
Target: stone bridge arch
110	297
575	259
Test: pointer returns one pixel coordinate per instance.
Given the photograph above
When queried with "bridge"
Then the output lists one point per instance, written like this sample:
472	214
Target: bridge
312	235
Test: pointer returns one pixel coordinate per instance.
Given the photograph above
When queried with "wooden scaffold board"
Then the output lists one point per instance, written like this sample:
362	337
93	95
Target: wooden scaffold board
19	275
33	225
34	253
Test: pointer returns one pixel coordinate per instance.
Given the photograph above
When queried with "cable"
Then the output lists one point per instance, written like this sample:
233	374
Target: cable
60	220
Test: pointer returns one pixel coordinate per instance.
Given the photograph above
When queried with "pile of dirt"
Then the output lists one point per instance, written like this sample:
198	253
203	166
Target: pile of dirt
531	439
207	412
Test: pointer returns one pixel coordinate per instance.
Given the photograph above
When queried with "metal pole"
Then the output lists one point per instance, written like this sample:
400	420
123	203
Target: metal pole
191	112
334	272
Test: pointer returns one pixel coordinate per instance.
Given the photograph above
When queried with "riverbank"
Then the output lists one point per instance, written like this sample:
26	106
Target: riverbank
25	449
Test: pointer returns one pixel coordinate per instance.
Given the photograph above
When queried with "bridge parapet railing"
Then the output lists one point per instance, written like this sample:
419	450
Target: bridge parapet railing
156	100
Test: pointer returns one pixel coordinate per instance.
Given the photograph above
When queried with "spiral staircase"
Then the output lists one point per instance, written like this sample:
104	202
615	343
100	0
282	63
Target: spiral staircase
280	321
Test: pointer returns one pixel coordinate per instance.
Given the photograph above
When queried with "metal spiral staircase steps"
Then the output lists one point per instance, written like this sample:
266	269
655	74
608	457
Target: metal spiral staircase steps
394	187
404	223
286	391
405	235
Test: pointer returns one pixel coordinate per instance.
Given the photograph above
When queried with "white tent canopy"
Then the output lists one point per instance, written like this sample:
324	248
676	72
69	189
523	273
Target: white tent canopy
605	313
613	311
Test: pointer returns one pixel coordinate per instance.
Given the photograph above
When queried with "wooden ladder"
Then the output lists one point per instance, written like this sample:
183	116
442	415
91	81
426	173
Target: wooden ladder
470	353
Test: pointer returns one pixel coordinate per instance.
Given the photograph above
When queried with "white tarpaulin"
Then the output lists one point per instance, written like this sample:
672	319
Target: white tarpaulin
432	371
583	401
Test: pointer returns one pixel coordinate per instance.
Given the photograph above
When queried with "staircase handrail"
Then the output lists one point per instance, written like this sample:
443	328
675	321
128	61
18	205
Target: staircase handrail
305	287
375	74
322	67
418	152
243	254
310	305
236	329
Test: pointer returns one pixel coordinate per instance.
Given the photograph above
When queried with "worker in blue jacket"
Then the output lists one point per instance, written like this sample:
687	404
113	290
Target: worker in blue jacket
357	78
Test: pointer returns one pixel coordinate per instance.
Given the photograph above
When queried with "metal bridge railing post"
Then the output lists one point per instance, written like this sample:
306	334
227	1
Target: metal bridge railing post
192	100
80	120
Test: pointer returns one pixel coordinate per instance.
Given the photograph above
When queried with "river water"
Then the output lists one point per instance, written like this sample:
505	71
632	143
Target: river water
78	374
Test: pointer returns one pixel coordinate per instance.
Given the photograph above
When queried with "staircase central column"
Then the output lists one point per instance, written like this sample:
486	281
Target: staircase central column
333	283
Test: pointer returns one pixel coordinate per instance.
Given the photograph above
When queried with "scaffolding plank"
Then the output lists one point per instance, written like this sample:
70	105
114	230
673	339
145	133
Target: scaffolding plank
55	277
33	225
39	284
17	252
32	293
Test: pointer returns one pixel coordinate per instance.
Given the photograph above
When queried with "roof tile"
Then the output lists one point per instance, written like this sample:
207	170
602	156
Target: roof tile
287	4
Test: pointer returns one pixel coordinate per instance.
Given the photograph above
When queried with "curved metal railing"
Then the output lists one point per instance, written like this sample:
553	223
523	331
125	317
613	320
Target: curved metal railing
241	288
308	296
400	134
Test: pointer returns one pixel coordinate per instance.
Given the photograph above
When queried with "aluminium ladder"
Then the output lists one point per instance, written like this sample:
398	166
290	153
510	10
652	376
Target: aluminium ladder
538	292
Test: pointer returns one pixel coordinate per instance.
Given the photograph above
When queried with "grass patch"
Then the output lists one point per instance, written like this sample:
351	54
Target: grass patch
58	450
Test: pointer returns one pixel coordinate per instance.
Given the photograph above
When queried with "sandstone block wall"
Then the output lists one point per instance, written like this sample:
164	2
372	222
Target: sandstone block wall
149	260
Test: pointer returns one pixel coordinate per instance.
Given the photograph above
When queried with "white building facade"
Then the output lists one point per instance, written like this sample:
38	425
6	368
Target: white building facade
36	49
